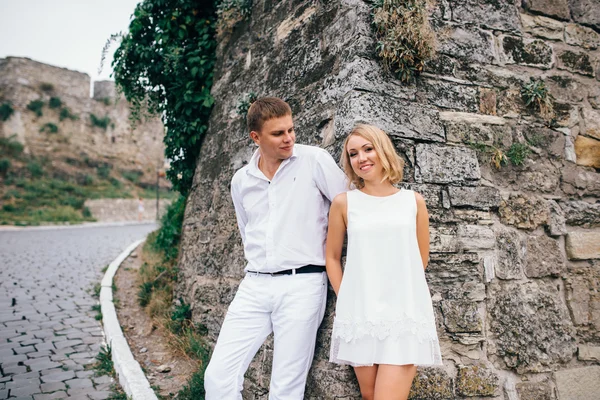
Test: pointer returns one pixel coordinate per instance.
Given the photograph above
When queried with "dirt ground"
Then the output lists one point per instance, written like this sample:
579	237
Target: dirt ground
148	342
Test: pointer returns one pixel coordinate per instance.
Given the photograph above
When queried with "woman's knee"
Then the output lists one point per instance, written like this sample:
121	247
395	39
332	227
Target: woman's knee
367	393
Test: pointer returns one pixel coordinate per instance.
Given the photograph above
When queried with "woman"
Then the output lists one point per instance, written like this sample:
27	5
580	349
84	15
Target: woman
384	325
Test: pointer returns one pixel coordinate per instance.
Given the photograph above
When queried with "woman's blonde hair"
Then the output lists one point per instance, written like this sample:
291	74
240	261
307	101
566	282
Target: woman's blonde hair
391	162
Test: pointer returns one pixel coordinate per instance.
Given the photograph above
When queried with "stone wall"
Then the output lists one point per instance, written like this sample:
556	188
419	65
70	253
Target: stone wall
22	80
515	256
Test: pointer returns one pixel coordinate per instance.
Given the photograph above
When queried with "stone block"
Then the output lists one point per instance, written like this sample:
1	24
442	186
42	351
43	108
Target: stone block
531	52
462	316
578	383
582	36
475	237
476	381
575	61
586	12
431	384
397	118
591	119
581	213
487	101
552	8
467	43
565	88
443	239
449	95
445	164
588	353
510	254
499	15
544	257
578	298
524	211
556	220
531	328
583	245
580	181
543	27
482	197
534	390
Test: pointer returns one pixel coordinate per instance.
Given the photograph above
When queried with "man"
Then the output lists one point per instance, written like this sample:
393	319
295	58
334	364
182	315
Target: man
281	200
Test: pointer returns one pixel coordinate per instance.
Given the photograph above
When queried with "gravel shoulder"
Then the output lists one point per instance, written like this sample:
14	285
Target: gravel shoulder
147	340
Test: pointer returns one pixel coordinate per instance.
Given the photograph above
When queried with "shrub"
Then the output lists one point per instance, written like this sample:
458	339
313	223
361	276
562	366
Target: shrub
405	40
100	122
66	113
10	146
115	182
4	165
103	171
6	111
245	102
535	95
55	102
86	212
35	168
132	175
36	106
167	239
46	87
517	153
49	127
88	180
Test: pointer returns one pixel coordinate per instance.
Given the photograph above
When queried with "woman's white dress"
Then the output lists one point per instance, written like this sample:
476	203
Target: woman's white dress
383	313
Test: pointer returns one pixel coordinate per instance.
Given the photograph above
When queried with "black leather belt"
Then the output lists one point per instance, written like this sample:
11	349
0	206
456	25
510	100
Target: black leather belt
307	269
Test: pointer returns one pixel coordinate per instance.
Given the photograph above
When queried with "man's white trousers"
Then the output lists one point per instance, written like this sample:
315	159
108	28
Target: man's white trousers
290	306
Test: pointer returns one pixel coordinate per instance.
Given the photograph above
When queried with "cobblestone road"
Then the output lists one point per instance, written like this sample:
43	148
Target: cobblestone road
48	332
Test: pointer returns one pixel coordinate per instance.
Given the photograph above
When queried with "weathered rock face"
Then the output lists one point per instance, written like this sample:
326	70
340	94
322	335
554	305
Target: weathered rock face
514	257
23	80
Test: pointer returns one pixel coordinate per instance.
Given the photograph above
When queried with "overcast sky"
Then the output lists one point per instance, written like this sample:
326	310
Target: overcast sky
64	33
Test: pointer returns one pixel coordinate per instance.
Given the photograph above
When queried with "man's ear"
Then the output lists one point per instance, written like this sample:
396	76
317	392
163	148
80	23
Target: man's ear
255	136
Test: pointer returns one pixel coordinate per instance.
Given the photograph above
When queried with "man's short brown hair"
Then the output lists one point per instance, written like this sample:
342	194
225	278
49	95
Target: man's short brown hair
264	109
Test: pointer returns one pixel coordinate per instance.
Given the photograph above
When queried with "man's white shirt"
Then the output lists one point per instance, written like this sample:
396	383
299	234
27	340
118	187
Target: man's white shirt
283	222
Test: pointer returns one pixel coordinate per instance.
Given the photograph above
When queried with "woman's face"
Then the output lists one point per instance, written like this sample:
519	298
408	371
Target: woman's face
363	158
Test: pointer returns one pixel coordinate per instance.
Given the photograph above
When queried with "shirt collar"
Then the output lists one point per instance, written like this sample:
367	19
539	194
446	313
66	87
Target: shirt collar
253	164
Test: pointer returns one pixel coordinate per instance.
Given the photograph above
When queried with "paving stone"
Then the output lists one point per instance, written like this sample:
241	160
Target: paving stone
58	377
51	396
3	394
98	380
38	354
52	387
19	383
100	395
52	371
25	391
44	346
79	383
24	349
10	360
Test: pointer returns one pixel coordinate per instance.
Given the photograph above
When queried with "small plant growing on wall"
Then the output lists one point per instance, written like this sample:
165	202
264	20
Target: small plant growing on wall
55	102
65	113
36	106
405	40
49	127
245	102
100	122
6	111
535	95
230	12
46	87
498	157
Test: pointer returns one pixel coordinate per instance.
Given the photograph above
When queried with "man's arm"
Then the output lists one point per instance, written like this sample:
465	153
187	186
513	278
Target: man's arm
240	213
329	178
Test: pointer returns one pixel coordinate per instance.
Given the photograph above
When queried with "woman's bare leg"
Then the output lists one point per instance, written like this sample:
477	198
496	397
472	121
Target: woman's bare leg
393	382
366	381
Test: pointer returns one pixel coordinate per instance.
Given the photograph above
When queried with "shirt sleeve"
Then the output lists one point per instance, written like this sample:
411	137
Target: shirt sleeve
240	213
329	178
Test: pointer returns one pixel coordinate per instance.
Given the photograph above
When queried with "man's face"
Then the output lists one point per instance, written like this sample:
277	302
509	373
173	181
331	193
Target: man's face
276	138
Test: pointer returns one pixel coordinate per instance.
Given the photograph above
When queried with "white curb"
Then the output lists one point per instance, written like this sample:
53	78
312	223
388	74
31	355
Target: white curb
130	374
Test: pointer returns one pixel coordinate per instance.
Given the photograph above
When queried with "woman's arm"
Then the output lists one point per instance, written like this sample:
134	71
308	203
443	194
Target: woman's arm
422	229
335	240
